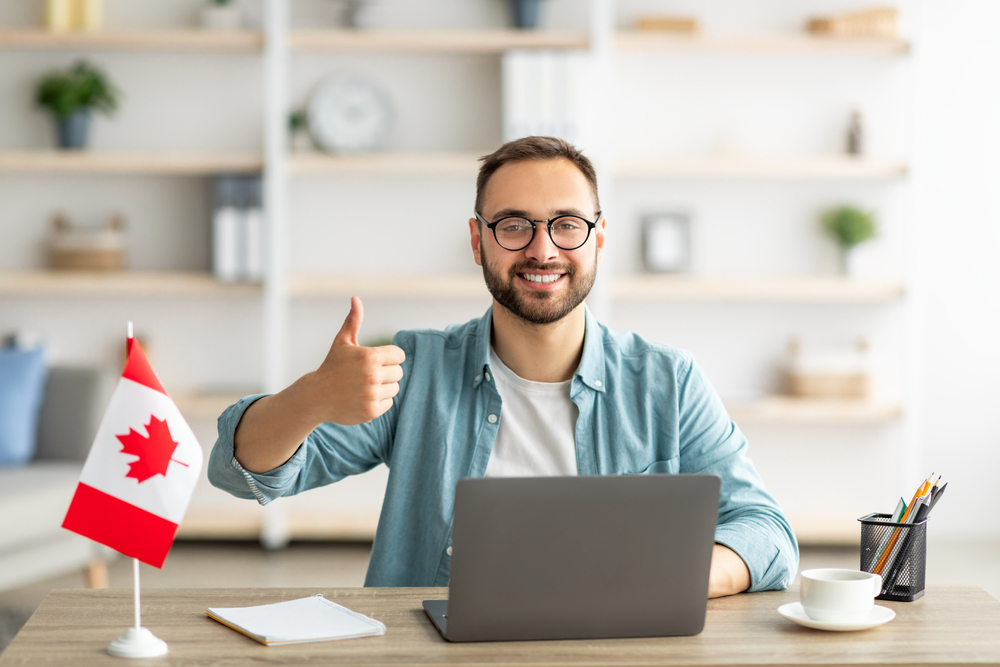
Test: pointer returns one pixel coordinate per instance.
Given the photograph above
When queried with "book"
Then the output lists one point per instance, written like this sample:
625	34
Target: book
312	619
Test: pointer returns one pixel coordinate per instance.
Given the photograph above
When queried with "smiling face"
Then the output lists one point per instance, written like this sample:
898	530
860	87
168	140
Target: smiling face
542	283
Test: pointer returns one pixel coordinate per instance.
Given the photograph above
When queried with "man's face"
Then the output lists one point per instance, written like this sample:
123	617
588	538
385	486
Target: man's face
542	283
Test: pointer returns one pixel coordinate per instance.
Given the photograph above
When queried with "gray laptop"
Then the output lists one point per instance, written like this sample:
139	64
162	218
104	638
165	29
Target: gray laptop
579	557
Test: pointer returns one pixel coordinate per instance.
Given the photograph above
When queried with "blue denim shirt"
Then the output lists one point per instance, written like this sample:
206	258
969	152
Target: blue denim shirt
643	408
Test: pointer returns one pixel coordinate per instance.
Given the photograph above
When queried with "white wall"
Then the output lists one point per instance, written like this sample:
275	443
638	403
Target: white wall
937	107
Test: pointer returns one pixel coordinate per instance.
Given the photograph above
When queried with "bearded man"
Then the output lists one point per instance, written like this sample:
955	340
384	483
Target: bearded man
537	386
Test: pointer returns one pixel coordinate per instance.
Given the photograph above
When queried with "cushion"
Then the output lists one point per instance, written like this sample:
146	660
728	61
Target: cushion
22	386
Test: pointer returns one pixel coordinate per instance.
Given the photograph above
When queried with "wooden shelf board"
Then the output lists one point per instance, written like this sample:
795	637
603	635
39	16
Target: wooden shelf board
118	283
127	162
435	286
368	164
826	530
635	40
789	410
824	168
184	39
434	41
209	404
805	289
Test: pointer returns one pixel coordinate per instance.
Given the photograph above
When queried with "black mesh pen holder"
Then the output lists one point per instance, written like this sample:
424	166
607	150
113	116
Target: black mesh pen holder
901	550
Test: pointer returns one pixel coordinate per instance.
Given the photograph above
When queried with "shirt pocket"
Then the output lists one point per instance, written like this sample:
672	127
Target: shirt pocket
669	467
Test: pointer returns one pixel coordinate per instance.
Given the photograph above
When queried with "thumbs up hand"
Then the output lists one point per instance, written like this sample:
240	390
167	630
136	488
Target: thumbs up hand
355	384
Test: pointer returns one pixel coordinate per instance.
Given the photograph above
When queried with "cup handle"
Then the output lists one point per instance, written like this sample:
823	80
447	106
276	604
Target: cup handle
877	578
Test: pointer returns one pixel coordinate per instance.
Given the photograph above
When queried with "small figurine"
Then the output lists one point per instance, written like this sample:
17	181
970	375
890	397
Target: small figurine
855	134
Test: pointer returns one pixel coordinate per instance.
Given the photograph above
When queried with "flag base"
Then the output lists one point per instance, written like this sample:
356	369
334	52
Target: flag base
137	643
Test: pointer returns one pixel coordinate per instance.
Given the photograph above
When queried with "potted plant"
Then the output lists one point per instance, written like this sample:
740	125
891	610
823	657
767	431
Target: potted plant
525	12
849	227
71	95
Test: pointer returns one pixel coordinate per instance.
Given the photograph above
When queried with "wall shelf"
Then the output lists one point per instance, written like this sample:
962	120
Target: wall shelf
387	163
118	283
434	41
128	162
823	168
426	286
795	289
792	411
191	39
791	43
792	289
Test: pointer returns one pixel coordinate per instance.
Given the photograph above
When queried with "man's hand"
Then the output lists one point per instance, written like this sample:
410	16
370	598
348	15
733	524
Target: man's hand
355	384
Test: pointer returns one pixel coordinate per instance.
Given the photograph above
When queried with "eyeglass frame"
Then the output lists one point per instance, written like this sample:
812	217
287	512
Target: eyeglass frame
534	229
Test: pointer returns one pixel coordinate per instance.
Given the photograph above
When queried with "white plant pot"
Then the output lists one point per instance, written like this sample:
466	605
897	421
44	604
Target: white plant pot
222	17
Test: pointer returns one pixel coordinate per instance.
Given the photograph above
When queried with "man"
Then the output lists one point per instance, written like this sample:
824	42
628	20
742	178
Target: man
535	387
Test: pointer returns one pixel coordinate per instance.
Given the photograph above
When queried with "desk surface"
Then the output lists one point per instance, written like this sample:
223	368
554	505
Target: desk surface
949	625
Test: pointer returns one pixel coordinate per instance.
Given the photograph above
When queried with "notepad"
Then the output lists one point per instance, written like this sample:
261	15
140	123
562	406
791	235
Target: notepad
312	619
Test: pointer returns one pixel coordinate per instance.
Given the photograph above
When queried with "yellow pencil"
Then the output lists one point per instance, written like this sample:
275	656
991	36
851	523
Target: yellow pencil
924	488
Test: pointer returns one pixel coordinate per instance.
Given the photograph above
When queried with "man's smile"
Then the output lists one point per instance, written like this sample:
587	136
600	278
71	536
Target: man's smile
541	278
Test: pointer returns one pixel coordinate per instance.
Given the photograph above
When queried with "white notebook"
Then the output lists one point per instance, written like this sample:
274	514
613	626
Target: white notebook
313	619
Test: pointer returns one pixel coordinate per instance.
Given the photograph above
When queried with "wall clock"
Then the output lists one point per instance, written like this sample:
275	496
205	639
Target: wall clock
348	114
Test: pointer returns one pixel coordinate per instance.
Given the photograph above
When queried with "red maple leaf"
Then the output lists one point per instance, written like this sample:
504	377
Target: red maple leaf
154	451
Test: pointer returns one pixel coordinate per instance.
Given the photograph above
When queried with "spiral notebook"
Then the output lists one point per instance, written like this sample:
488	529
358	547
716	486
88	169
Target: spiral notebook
312	619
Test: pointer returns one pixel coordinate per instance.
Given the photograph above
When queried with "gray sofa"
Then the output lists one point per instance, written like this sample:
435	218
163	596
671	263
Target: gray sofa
34	497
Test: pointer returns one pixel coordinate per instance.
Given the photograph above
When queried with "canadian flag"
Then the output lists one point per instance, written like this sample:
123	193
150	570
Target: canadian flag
140	473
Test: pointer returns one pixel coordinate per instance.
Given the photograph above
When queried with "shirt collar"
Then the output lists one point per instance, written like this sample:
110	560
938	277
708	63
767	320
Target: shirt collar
591	370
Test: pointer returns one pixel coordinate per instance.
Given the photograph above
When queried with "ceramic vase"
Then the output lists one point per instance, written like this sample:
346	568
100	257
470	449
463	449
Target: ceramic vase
526	13
73	129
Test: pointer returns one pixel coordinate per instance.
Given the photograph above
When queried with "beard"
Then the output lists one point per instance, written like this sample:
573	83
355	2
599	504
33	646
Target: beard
538	307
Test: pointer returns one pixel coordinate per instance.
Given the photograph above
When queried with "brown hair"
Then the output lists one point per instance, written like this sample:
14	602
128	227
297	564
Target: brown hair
533	148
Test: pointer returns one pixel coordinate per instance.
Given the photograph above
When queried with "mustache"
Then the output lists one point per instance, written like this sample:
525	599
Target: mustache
522	267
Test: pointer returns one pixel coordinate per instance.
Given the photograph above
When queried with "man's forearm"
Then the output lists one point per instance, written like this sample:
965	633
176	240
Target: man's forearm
272	429
729	574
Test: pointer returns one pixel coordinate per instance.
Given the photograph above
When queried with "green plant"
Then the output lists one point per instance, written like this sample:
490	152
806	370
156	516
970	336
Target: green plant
297	121
82	86
221	3
849	226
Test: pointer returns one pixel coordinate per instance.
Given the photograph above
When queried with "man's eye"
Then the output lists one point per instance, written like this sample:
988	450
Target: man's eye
513	226
568	224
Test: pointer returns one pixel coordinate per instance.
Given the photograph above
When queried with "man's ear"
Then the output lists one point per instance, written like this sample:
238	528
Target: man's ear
599	230
475	234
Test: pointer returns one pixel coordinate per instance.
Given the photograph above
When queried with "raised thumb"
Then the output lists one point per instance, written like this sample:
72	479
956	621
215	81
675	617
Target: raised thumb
348	334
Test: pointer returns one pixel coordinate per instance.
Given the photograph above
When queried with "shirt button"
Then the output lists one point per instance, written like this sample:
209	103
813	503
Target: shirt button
477	377
492	419
448	551
598	383
487	377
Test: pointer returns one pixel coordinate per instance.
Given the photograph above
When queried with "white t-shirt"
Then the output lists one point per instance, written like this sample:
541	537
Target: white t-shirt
537	427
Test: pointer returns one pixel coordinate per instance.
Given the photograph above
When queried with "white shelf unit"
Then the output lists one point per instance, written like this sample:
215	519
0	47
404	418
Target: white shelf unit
277	43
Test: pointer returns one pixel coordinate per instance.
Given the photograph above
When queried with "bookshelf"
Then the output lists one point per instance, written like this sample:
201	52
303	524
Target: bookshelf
166	163
133	40
118	283
434	41
282	53
790	44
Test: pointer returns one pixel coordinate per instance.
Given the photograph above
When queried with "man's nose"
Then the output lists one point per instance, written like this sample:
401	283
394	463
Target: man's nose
541	248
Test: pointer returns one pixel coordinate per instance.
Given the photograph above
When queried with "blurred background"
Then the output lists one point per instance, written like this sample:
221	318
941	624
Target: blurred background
227	174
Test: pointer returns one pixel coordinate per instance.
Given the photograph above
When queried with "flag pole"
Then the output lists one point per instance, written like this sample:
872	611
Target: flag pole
135	590
137	642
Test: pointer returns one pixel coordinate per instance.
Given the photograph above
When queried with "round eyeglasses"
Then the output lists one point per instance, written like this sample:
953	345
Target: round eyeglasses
568	232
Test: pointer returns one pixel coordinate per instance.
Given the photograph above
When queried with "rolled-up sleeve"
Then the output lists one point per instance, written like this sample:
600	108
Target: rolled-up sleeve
751	522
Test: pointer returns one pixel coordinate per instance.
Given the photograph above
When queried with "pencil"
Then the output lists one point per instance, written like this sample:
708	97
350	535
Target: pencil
883	559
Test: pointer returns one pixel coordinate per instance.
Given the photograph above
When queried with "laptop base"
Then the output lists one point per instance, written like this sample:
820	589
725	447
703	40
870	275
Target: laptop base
437	610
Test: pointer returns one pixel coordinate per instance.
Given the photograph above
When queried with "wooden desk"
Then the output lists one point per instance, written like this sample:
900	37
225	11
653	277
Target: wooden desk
952	625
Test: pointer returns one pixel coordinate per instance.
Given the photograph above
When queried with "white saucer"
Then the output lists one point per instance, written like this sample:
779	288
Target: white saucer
877	616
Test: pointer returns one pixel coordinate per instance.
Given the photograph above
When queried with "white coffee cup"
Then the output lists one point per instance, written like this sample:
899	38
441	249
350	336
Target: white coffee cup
833	594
